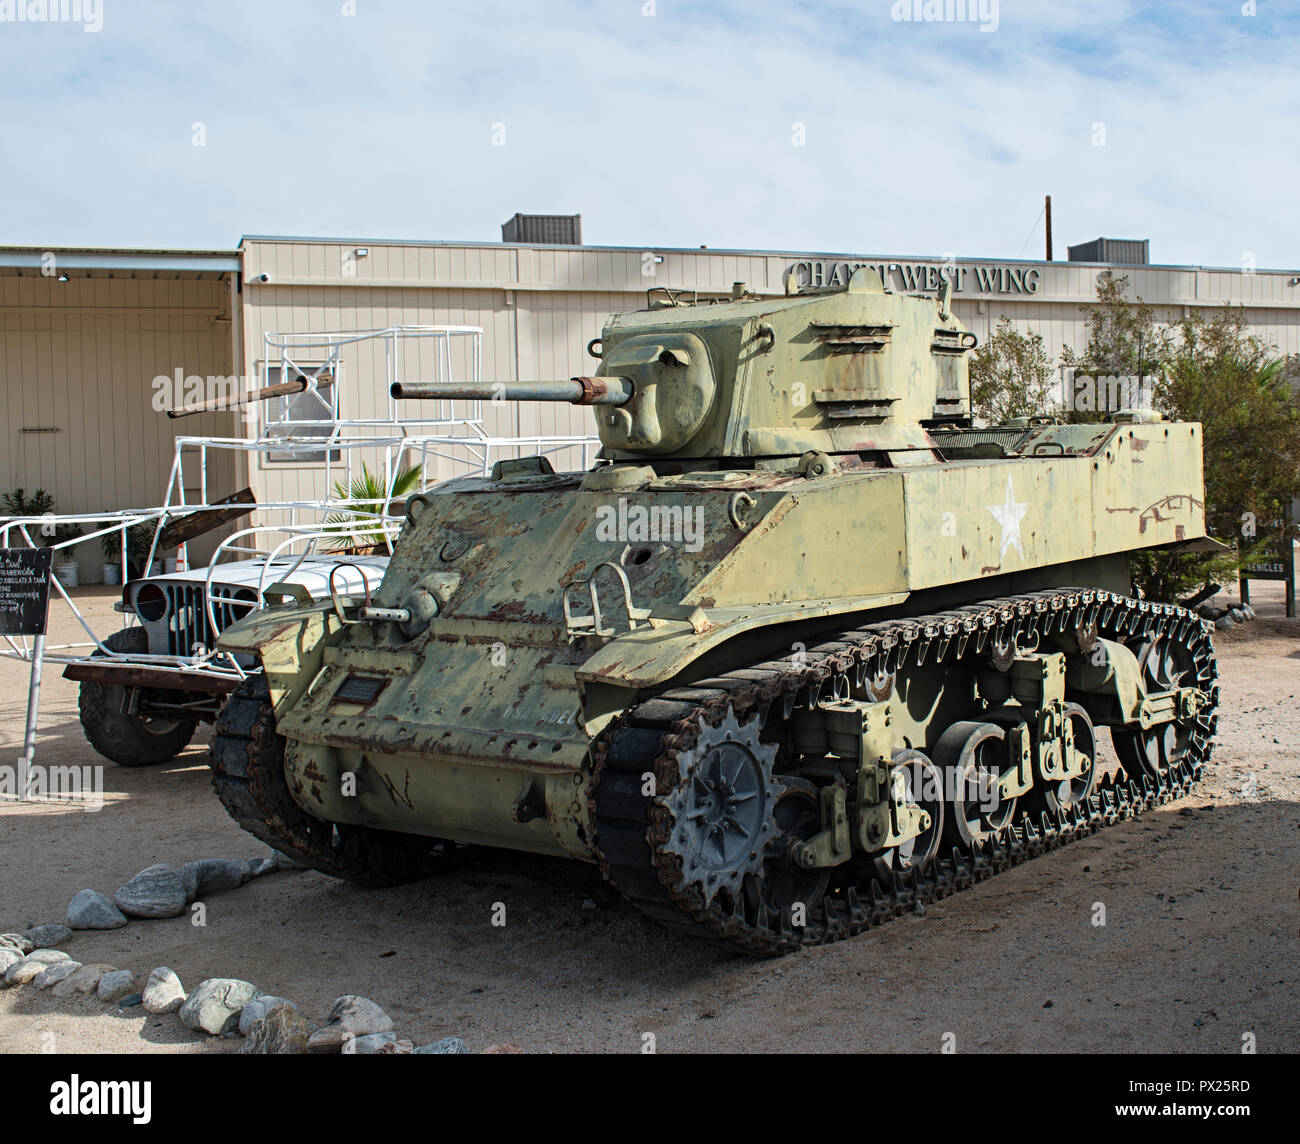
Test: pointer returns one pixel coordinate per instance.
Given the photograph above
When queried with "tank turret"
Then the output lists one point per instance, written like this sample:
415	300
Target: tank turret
849	370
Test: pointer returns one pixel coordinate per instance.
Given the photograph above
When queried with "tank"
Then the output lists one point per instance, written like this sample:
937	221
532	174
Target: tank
803	651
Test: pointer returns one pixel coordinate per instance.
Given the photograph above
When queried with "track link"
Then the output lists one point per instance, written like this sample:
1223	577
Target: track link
632	828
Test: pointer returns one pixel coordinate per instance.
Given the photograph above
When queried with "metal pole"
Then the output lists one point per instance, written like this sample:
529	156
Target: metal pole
1048	210
33	703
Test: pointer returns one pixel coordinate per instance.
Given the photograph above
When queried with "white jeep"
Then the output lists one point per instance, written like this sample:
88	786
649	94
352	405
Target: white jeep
145	692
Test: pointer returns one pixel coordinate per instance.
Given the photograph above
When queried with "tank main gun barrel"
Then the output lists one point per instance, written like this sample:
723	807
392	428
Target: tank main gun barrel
241	401
576	391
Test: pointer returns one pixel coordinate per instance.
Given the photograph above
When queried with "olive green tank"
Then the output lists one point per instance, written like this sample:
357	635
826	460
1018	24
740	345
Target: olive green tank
802	652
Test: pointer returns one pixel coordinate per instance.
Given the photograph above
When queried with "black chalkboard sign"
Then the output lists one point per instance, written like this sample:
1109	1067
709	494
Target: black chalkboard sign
24	590
1274	559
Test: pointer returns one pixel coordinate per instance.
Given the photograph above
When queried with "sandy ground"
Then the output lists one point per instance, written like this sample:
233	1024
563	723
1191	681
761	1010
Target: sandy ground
1199	948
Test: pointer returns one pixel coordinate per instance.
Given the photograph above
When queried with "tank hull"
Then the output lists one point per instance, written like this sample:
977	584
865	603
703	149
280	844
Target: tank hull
495	707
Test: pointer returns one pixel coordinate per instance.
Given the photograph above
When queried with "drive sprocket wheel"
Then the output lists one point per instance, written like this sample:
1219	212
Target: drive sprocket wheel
720	815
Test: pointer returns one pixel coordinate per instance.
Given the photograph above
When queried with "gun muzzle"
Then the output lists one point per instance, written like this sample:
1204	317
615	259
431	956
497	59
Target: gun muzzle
576	391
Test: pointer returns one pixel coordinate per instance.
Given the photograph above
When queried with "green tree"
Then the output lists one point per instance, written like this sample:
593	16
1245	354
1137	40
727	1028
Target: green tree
1125	340
1207	368
1236	386
1011	376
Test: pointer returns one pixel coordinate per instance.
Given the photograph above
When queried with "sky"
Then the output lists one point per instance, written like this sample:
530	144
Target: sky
797	125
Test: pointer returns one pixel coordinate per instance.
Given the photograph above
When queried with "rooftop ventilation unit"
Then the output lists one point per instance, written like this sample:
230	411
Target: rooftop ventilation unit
1113	251
546	229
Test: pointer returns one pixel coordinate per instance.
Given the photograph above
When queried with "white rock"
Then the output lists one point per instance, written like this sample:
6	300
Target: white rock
115	985
448	1046
21	972
214	1007
163	992
282	1030
212	875
48	936
84	980
256	867
156	892
357	1016
54	973
91	910
377	1044
258	1008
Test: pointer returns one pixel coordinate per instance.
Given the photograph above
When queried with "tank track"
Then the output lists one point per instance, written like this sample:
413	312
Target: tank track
247	763
632	829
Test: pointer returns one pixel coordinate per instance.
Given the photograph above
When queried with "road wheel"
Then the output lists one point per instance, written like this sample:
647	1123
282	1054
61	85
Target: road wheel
1165	666
924	785
972	757
1064	795
129	740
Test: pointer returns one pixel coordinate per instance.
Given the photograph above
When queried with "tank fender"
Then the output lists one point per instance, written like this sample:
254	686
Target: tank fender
290	641
649	656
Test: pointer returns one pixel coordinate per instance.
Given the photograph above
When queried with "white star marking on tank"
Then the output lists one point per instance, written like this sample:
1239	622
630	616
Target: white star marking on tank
1009	515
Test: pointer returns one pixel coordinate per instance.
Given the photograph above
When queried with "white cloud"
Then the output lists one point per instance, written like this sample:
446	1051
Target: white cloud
673	129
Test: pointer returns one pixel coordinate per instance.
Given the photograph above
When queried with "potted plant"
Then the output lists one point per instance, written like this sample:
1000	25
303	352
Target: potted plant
40	503
138	539
66	568
19	504
111	543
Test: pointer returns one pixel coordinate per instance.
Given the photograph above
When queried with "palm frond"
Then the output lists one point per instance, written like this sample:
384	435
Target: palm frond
366	494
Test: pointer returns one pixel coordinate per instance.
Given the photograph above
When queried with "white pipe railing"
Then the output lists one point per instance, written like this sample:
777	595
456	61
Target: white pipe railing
454	434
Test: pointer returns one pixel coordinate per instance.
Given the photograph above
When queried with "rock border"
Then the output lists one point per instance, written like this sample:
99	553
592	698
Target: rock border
219	1007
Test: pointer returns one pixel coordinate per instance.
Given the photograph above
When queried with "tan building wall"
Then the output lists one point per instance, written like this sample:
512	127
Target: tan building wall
80	357
539	307
77	364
